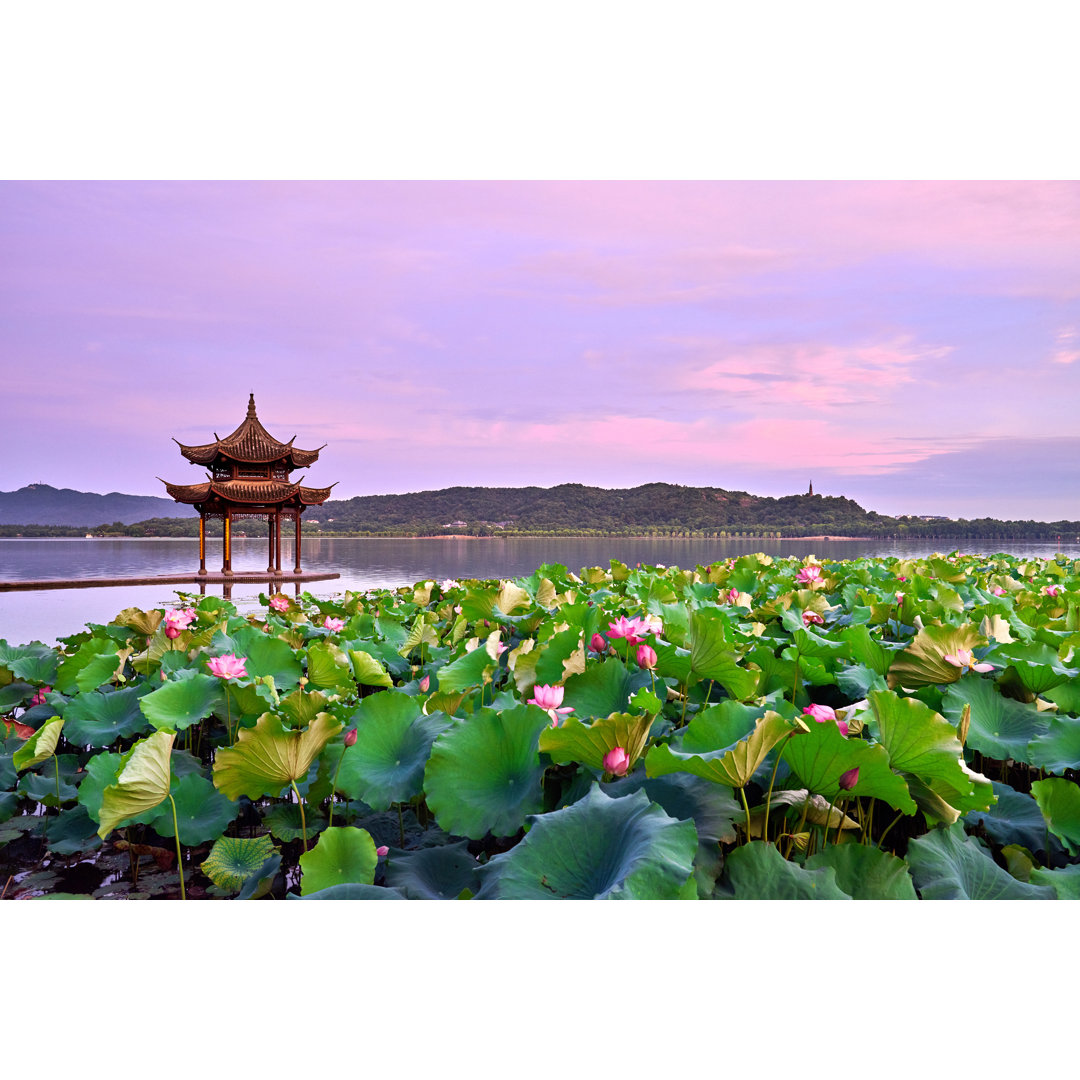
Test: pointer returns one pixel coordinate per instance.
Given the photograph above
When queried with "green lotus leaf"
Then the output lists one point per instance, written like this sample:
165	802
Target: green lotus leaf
233	860
1065	882
555	655
94	663
602	689
14	694
183	702
344	855
434	873
672	661
202	812
367	670
29	662
867	650
1036	664
866	873
73	831
597	848
101	772
757	871
286	823
574	741
710	642
97	719
141	783
9	803
811	643
734	767
719	727
261	882
473	669
352	892
711	807
923	743
40	746
248	698
1001	727
1059	801
923	662
948	865
265	655
41	787
393	743
483	775
1059	748
328	669
268	756
820	757
1014	818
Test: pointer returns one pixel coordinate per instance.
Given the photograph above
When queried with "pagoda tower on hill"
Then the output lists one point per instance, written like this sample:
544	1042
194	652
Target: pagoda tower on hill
248	477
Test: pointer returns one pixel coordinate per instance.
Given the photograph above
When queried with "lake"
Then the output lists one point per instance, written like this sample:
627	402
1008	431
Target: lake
366	563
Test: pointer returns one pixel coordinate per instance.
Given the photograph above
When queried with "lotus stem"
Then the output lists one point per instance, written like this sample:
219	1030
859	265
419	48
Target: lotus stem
742	795
334	787
179	855
881	838
303	819
799	828
768	796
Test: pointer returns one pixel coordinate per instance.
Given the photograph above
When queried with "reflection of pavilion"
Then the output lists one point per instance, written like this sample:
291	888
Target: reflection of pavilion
248	477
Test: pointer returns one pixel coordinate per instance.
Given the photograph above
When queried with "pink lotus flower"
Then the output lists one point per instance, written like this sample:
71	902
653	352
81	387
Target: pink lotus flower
1052	590
228	666
812	617
175	621
549	698
732	596
425	682
849	779
899	597
651	624
646	656
900	577
808	575
39	697
333	625
617	761
997	590
449	584
965	660
350	737
598	643
382	851
630	629
279	602
823	715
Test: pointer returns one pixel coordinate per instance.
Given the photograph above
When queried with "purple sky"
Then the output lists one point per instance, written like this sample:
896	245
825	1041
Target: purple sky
913	345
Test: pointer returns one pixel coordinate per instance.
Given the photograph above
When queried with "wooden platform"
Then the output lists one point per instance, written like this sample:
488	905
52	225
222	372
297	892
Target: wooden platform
241	578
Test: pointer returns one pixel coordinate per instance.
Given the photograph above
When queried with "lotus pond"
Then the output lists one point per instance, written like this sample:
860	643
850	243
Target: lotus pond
757	728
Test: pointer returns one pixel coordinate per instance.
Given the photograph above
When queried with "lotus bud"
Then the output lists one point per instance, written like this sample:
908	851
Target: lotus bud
849	779
646	656
425	682
382	851
598	643
617	761
172	632
350	737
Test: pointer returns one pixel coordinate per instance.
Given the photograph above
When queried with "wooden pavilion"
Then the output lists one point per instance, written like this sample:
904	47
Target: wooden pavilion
248	477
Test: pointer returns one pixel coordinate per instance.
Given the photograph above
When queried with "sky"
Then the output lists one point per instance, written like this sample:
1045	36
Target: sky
912	345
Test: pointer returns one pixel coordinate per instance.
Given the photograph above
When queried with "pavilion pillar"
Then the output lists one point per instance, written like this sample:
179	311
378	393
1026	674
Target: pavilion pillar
226	565
297	570
270	543
277	539
202	544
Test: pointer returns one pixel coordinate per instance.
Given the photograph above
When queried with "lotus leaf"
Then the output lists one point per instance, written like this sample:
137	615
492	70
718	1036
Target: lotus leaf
177	705
923	662
97	719
1001	727
94	662
598	848
233	860
472	669
268	756
757	871
367	670
1059	801
286	823
344	855
1065	882
142	781
101	772
1059	748
574	741
73	831
435	873
145	622
202	812
393	743
328	669
866	873
483	775
947	865
603	689
1014	818
352	892
1037	665
40	746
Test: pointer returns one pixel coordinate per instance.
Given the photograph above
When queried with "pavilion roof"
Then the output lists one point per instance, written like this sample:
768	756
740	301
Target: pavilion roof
251	492
251	443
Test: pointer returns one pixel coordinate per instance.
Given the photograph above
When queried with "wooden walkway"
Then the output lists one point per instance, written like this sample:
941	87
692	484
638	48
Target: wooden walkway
166	579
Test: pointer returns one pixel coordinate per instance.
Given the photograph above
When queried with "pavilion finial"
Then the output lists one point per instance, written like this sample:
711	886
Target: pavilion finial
251	407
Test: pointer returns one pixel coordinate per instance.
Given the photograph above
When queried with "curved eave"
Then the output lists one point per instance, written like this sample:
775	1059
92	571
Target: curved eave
316	496
188	493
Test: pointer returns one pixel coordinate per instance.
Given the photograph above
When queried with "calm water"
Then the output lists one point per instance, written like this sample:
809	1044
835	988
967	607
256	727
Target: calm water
363	564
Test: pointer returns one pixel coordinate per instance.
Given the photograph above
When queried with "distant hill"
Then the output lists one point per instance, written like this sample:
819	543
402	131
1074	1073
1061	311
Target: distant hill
40	504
